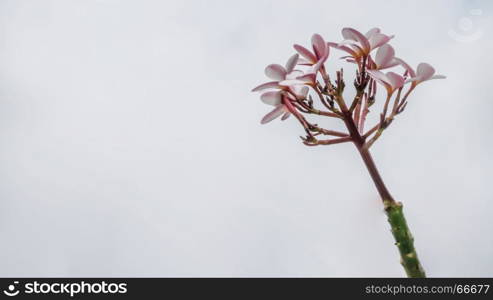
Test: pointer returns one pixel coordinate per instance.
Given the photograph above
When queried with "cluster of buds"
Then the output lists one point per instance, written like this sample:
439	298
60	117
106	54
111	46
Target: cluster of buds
305	77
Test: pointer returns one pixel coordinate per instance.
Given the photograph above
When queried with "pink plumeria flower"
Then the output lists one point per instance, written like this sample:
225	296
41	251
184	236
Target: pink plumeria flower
423	73
315	59
391	81
320	51
274	98
282	94
279	73
358	45
281	101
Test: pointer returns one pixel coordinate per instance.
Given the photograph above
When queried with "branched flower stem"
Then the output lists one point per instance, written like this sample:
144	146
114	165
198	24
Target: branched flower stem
292	97
399	228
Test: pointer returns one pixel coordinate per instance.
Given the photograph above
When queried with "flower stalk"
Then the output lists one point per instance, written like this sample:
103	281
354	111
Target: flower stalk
291	96
403	238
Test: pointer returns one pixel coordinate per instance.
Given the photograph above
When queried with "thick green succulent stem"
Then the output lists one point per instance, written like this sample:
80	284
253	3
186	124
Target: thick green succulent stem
402	235
403	239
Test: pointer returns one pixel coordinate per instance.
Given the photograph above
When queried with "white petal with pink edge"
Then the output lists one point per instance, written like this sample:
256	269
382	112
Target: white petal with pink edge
395	80
291	82
384	56
319	45
343	48
292	61
305	53
381	78
294	74
377	75
304	62
279	110
275	71
424	71
371	32
301	91
355	35
438	77
267	85
309	78
378	40
271	98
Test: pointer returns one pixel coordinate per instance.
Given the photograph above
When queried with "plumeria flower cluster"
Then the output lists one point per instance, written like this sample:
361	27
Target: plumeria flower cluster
305	74
305	77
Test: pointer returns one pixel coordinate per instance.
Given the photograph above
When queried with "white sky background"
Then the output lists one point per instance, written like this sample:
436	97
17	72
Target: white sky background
131	143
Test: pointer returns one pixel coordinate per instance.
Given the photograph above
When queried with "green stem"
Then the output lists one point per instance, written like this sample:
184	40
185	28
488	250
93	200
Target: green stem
403	240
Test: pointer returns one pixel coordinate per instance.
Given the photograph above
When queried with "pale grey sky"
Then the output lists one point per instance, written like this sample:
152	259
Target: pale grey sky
131	143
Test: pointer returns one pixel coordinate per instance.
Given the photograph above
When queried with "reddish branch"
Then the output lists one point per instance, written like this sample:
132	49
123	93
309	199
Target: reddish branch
331	97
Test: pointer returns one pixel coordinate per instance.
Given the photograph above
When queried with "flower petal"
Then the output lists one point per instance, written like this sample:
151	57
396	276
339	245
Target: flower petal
276	72
343	48
371	32
319	64
304	62
292	61
381	78
377	75
359	51
391	64
378	40
305	53
345	42
304	91
291	82
301	91
309	78
424	71
319	45
355	35
294	74
395	80
267	85
406	66
271	98
384	56
279	110
438	77
371	65
431	78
